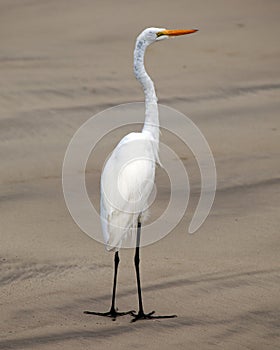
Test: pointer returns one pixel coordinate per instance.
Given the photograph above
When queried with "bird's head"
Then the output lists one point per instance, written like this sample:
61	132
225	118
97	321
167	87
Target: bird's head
151	35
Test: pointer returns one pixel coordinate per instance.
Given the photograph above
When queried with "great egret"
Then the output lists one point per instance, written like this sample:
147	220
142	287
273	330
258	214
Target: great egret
128	176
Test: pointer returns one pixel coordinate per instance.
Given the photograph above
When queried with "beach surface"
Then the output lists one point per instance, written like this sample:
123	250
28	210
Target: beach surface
64	61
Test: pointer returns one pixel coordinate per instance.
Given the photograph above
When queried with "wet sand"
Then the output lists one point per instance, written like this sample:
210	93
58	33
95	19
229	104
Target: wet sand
62	62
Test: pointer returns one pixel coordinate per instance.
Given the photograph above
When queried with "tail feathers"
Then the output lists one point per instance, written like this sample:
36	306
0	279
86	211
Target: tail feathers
120	228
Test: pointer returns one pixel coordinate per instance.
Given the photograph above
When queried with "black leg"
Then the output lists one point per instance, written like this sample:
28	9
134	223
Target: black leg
141	314
113	313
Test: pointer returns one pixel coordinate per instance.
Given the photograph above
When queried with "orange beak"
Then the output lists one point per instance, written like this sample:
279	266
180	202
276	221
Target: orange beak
176	32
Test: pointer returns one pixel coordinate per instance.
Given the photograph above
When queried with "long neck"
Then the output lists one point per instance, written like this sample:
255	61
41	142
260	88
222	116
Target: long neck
151	124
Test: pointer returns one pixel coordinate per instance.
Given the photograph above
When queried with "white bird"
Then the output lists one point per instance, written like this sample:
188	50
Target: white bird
128	176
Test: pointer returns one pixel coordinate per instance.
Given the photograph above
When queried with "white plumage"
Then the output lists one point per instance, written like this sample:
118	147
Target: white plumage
128	176
126	184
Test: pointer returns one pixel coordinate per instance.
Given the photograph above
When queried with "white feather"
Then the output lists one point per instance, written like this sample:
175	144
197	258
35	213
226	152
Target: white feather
126	184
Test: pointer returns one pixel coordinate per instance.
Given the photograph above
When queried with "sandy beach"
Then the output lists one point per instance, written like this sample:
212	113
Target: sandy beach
64	61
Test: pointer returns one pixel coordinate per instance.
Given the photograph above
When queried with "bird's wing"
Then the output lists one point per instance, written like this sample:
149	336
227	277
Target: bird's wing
126	183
